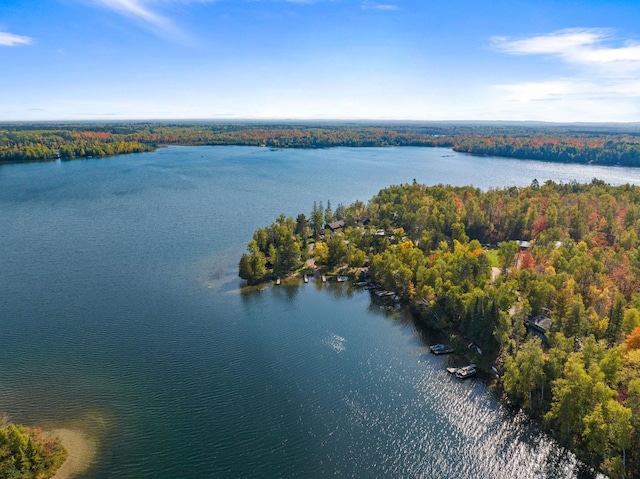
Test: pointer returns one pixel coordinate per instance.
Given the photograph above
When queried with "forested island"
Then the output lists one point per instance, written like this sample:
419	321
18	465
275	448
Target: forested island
617	144
543	279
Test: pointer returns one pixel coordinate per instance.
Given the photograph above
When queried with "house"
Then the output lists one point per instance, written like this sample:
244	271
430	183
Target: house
362	220
335	225
539	326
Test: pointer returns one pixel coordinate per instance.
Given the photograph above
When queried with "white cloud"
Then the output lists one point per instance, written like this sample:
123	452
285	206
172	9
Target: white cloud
136	9
10	40
533	91
570	89
369	5
148	13
604	79
583	46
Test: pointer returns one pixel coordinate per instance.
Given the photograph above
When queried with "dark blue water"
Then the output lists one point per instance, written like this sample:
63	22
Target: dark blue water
121	316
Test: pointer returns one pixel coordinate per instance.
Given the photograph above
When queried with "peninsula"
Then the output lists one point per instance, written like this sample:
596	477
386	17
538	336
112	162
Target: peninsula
561	322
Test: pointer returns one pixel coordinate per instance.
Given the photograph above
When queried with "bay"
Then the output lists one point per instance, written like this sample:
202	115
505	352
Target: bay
122	316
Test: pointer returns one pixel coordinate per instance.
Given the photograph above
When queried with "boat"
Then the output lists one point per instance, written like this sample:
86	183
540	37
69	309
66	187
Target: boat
324	278
462	369
445	350
305	278
277	281
466	372
440	349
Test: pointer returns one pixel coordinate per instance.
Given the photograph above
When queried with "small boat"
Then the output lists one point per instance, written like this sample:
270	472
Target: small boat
324	278
466	372
305	278
456	370
277	281
361	283
440	349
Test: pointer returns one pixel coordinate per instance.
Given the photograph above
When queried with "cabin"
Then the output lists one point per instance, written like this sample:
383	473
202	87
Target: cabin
539	326
362	220
334	225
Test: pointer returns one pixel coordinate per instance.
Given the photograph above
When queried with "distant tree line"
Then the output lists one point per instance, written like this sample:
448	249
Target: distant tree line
580	268
589	145
598	150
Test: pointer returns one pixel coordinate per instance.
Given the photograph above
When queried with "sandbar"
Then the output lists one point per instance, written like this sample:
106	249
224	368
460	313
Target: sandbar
81	448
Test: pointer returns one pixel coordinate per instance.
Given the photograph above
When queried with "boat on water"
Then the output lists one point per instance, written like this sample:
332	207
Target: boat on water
439	349
324	278
277	281
305	278
466	372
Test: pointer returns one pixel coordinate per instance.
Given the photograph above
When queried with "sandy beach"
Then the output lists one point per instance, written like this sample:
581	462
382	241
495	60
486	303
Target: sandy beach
81	449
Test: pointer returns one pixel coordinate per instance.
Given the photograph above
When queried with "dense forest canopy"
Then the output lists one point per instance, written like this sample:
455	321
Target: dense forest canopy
27	453
596	144
488	265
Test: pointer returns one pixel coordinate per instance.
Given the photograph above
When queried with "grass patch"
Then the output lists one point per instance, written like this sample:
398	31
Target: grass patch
492	254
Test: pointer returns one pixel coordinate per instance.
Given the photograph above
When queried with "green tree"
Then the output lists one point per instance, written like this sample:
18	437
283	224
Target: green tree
337	250
525	374
507	252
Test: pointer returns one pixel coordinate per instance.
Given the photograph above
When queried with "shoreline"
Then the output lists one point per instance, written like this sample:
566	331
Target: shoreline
81	449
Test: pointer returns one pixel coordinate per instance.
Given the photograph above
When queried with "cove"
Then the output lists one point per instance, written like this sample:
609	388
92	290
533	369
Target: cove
123	317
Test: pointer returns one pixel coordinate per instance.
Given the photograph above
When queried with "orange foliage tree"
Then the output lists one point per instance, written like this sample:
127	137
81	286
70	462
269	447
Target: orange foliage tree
633	340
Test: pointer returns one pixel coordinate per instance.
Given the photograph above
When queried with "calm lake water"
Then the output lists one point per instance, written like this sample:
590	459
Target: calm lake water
121	316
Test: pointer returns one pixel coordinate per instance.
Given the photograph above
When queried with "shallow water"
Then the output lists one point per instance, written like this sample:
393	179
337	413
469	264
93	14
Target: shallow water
122	316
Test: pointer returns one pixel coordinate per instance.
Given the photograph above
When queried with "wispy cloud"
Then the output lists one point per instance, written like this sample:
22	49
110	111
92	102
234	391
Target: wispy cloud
604	71
137	9
533	91
11	40
583	46
369	5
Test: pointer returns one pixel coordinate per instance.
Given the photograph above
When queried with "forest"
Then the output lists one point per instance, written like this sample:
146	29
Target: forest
593	144
27	453
487	265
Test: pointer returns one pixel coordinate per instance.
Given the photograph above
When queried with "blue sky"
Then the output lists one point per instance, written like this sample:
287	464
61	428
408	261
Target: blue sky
555	60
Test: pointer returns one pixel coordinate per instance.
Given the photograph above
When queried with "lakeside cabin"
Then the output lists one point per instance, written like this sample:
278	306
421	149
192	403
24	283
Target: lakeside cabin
539	326
334	225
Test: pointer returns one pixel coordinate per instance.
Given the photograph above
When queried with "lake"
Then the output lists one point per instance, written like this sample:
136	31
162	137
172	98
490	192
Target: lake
122	316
